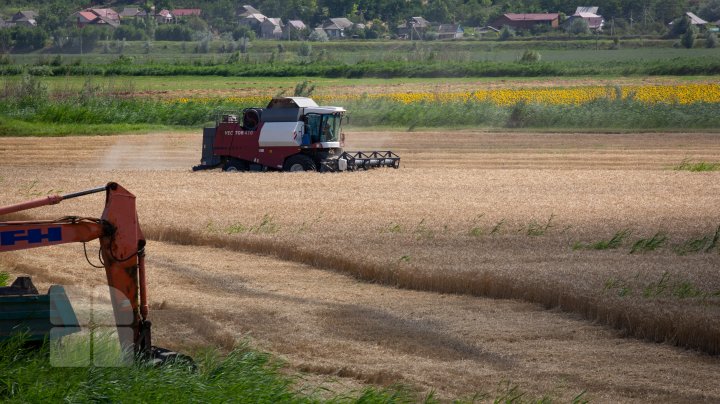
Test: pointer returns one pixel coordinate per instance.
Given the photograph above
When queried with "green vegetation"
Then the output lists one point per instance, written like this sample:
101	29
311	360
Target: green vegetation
422	66
243	375
700	166
665	287
4	277
649	244
612	243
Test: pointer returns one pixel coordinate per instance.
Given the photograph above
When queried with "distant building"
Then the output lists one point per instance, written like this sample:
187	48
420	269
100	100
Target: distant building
335	27
294	29
589	14
185	12
527	21
132	12
26	18
415	27
450	31
96	16
245	11
164	17
695	20
271	28
253	21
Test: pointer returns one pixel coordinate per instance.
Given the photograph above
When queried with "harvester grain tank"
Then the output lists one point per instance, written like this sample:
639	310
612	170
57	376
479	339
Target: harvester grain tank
290	134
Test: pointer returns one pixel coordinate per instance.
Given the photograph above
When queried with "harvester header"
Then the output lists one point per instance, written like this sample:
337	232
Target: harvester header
290	134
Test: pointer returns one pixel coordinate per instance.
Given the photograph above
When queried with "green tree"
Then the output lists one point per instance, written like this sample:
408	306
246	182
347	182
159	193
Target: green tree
688	39
578	26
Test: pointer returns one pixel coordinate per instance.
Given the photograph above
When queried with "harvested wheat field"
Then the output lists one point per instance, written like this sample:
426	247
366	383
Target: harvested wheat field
599	245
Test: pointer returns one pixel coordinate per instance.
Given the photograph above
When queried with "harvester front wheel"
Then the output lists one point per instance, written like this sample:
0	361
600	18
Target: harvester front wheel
299	163
234	165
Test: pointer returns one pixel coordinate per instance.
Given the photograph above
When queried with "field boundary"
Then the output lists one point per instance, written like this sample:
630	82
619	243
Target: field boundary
675	328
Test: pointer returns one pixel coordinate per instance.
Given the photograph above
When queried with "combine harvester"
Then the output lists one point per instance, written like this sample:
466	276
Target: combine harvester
122	254
290	134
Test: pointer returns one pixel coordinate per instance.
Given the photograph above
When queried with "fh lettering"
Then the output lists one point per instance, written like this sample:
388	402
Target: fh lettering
31	236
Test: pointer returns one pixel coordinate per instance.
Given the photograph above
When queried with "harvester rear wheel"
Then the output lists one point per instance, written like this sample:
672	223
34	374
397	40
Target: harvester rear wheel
235	165
299	163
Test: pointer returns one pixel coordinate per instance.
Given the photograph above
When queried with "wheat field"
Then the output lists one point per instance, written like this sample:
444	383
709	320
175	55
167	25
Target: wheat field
515	217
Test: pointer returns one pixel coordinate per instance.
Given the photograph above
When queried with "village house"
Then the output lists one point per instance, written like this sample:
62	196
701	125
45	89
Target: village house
271	28
335	27
132	12
96	16
527	21
414	28
24	18
180	13
589	14
450	31
164	17
294	29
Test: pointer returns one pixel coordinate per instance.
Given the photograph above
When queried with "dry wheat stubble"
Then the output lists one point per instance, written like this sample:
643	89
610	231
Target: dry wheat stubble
493	229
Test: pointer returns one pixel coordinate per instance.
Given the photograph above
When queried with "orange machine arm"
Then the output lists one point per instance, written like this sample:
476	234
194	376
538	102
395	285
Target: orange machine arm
122	247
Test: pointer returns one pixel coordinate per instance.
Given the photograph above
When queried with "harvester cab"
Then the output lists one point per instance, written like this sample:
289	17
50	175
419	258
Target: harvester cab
290	134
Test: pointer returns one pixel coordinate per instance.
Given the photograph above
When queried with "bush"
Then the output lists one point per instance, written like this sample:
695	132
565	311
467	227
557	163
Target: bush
506	33
688	39
530	56
243	31
173	32
318	36
305	49
26	38
578	27
710	40
129	33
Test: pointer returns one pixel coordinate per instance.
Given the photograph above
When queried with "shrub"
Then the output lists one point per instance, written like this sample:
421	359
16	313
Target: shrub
305	49
578	26
173	32
688	39
506	33
318	36
710	40
530	56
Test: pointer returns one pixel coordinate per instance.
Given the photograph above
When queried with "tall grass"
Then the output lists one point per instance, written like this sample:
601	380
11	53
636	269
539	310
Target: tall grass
20	116
243	375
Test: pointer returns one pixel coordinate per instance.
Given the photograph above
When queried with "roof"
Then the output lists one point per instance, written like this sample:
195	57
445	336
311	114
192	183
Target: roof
132	12
695	20
27	15
88	16
274	21
105	12
586	15
448	28
338	23
591	10
420	22
182	12
532	16
300	102
256	16
246	10
297	24
165	13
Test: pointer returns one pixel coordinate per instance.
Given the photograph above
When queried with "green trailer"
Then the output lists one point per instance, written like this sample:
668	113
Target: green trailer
24	311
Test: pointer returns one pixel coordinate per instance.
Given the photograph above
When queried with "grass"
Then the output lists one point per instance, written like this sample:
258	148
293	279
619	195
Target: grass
699	166
243	375
644	245
4	278
610	244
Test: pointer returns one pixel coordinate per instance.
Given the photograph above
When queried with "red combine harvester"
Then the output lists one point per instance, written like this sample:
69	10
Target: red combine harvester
290	134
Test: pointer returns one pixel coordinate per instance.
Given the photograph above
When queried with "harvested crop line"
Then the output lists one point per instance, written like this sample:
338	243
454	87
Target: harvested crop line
682	329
